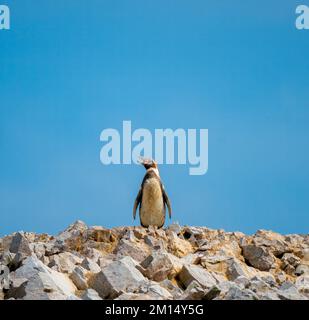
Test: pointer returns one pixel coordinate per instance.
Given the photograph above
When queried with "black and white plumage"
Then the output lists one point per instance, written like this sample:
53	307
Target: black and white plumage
152	199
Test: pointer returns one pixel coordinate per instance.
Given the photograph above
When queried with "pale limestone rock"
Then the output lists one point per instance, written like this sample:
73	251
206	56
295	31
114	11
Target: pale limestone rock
90	294
275	242
134	296
118	276
38	248
64	262
73	231
20	245
236	293
191	273
258	257
154	290
90	265
179	247
175	227
290	260
38	282
196	292
4	277
139	263
5	243
172	287
306	255
302	285
242	282
93	254
136	250
6	258
302	269
235	270
159	266
79	276
288	291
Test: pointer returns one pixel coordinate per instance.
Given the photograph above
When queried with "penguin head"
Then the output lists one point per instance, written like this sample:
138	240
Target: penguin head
149	164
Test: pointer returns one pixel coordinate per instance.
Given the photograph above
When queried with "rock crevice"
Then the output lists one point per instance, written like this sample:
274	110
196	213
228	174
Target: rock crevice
133	263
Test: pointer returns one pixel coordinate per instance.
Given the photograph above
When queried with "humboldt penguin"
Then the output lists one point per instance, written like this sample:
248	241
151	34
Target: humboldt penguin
152	198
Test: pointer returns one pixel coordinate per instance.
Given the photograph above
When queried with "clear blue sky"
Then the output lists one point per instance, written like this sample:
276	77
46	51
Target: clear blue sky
69	69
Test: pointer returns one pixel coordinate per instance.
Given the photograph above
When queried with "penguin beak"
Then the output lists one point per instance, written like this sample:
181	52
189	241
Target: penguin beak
144	161
147	163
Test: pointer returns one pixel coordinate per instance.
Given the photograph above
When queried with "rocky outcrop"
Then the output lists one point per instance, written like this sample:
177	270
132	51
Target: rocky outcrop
134	263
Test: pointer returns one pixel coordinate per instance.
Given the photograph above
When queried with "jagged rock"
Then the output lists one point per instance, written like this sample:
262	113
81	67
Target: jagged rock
173	288
236	293
35	281
137	251
134	296
258	257
306	255
242	281
64	262
258	286
268	278
235	270
135	263
191	273
175	227
154	290
102	239
7	258
103	262
281	277
54	247
159	266
212	293
195	292
73	297
139	232
302	285
155	244
179	247
90	265
275	242
289	263
75	230
129	235
4	277
93	254
268	295
72	238
214	262
79	277
302	269
288	291
118	276
90	294
20	245
5	243
38	249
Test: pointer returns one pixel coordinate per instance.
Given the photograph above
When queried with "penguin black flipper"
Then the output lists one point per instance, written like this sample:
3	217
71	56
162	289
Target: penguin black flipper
137	202
166	201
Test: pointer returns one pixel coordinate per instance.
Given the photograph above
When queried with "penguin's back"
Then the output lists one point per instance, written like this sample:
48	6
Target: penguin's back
152	209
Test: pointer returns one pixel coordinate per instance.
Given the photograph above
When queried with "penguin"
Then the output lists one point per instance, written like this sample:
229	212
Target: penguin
151	198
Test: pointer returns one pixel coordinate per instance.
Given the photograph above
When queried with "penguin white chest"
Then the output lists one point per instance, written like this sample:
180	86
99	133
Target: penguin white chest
152	210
